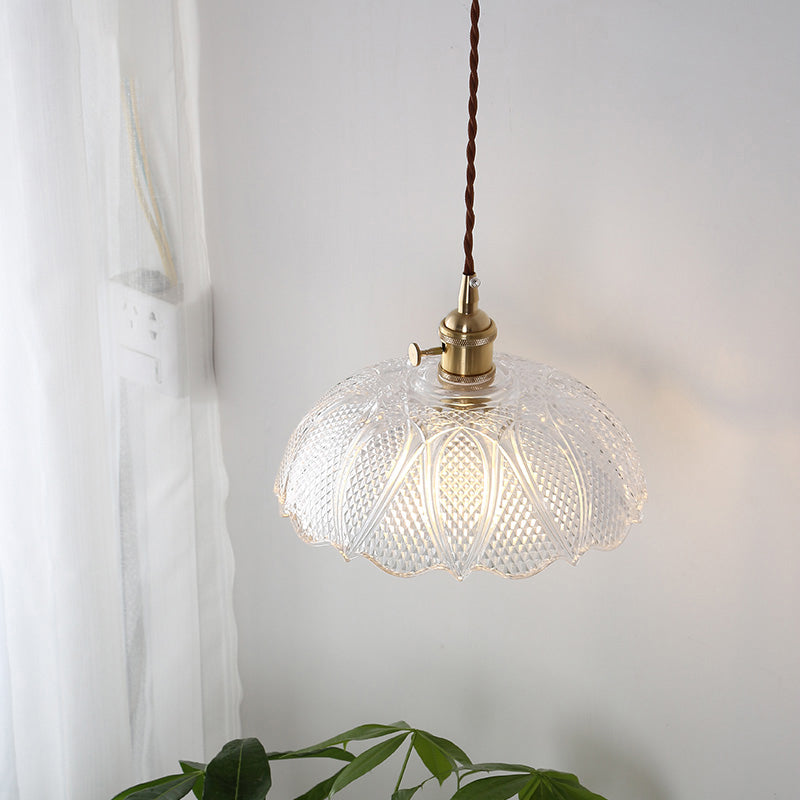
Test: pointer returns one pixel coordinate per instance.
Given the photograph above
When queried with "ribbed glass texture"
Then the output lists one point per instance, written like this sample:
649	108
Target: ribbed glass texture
394	466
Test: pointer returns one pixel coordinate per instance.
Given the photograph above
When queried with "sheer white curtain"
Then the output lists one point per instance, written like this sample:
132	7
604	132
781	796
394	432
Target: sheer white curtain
117	639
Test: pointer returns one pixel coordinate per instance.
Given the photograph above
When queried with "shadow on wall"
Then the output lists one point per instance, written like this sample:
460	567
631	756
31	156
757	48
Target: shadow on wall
620	771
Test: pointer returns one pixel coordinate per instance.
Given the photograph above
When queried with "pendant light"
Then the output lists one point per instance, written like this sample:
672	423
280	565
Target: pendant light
458	458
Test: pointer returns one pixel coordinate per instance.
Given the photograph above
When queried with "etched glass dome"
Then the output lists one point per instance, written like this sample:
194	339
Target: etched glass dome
394	466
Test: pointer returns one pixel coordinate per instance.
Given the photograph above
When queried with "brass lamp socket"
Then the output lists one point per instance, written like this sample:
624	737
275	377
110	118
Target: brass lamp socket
467	334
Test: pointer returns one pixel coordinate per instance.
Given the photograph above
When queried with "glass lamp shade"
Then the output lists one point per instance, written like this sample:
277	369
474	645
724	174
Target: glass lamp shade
394	466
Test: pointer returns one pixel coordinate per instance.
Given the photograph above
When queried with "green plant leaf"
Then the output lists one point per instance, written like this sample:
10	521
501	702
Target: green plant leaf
190	766
562	777
529	792
358	734
368	760
323	752
240	771
496	787
170	787
433	757
322	790
561	786
453	751
407	794
496	766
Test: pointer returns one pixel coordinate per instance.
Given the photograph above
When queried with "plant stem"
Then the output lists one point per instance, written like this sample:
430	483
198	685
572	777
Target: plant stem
405	763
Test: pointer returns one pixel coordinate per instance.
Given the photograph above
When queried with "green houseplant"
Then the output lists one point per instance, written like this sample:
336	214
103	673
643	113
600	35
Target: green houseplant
241	770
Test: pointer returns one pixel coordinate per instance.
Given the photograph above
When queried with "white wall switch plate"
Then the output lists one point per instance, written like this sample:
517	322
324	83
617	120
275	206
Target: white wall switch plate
147	315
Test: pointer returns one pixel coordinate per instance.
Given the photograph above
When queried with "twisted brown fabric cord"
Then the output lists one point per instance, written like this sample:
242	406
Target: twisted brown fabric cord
472	131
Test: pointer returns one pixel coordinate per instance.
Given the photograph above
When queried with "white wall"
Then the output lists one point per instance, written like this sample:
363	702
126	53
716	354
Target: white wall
638	201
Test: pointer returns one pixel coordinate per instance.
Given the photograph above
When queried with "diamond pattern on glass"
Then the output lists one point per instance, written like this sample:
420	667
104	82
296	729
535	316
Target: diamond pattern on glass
460	497
552	473
414	475
366	471
317	463
519	545
401	542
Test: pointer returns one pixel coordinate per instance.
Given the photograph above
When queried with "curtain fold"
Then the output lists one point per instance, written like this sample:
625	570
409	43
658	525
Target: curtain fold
117	638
